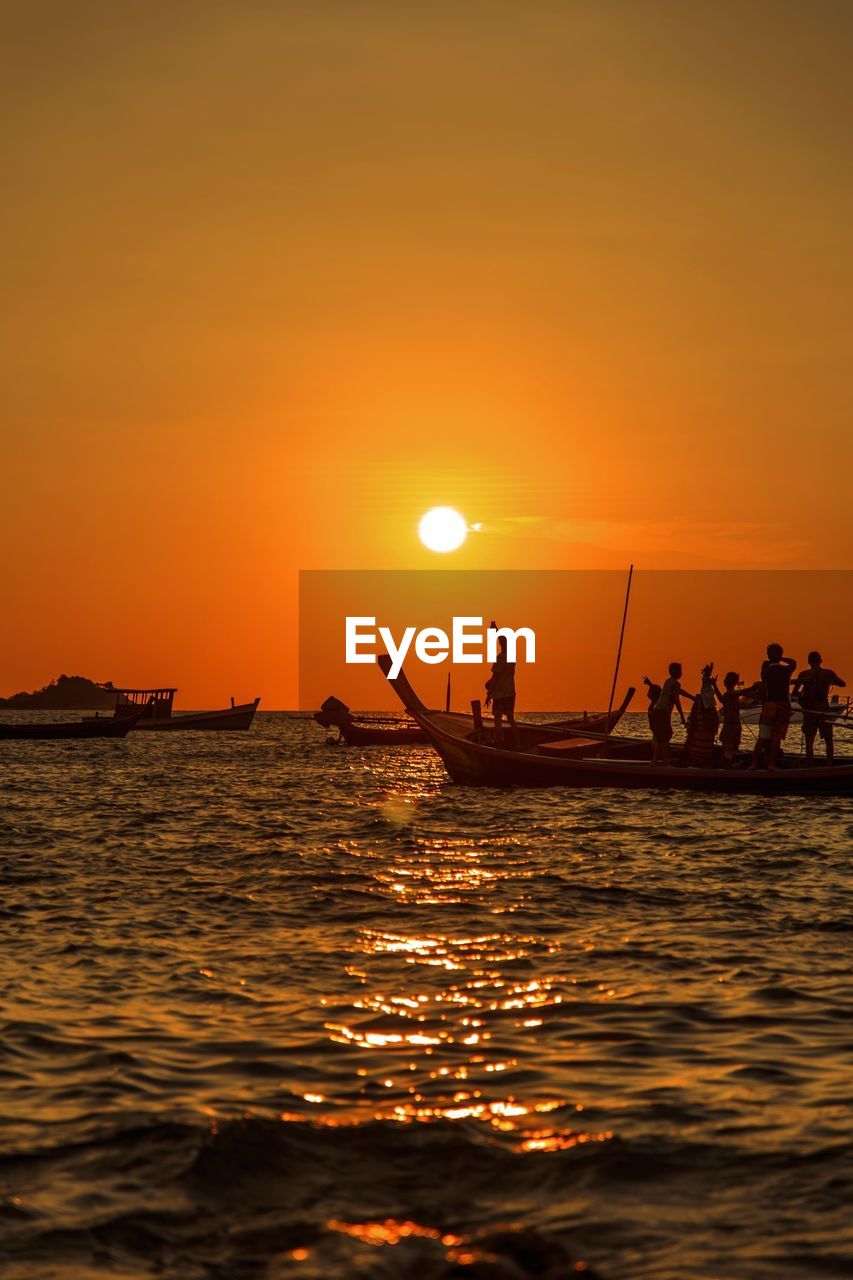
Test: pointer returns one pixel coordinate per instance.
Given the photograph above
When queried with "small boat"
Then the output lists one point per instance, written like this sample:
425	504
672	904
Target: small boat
335	714
154	707
839	711
68	730
542	760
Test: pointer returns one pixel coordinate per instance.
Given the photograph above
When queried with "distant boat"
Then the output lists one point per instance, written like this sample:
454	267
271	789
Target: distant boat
335	714
92	727
750	711
590	761
155	712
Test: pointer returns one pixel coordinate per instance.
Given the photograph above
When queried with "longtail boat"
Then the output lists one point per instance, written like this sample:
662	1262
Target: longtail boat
538	759
335	714
154	708
66	730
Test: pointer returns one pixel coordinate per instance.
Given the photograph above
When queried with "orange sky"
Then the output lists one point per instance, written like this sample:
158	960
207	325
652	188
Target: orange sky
280	276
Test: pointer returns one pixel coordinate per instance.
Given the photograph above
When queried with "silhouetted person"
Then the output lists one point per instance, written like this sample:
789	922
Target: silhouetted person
653	692
500	692
775	717
730	734
660	716
703	722
813	686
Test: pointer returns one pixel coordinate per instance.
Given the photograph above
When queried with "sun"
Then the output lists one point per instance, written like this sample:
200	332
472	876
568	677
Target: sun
442	529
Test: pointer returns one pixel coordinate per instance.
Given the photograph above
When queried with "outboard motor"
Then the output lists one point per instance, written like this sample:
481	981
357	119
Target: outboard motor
333	714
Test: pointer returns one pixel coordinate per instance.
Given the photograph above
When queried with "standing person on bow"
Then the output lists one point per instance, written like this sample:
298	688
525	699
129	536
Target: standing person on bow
813	686
776	674
500	692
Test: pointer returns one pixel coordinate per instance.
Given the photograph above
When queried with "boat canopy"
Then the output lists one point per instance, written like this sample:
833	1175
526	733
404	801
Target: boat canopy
140	697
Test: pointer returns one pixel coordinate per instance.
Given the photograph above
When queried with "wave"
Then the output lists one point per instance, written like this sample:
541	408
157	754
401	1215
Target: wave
246	1195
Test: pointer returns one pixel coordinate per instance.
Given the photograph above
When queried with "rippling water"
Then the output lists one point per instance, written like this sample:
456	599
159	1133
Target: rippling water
277	1008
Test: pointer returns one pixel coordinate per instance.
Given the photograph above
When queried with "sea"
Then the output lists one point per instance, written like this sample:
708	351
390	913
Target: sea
272	1007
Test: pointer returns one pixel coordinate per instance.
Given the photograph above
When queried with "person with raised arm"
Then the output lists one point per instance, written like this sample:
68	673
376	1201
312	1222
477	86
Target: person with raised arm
702	723
730	733
660	717
776	674
653	692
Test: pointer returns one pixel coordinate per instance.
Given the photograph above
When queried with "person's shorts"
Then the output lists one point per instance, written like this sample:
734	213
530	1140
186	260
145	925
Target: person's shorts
814	724
773	725
730	739
661	723
503	707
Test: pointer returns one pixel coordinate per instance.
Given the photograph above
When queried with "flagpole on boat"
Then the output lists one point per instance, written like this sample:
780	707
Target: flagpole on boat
447	695
618	656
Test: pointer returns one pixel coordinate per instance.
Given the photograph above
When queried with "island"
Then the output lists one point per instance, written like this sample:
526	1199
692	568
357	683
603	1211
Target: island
66	693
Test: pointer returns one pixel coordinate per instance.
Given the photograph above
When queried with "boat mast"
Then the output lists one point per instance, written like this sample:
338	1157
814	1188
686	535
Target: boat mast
618	656
447	694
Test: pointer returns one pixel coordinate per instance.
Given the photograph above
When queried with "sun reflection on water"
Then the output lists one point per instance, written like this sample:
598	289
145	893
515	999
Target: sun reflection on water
438	1023
392	1231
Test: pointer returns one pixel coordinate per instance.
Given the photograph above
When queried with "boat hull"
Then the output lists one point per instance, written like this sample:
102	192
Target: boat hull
594	761
72	730
473	765
357	734
228	720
